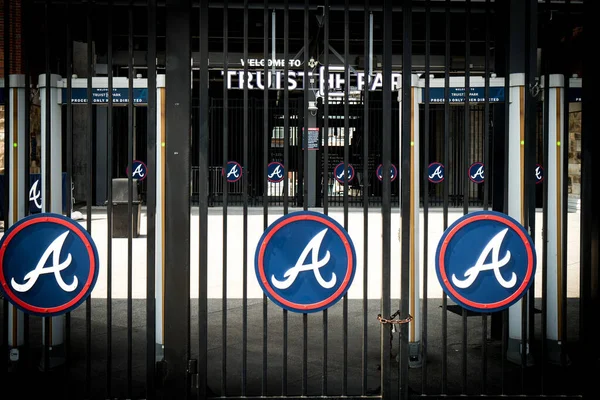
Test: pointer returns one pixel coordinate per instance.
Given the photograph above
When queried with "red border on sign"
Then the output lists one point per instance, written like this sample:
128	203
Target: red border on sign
323	303
73	229
516	229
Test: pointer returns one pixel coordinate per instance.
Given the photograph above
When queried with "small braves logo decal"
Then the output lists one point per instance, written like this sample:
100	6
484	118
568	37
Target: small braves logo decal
539	174
305	262
139	170
393	172
477	172
35	194
435	172
233	171
341	174
275	172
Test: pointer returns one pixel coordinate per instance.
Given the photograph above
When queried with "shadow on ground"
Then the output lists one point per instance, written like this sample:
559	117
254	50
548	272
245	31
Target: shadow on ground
87	372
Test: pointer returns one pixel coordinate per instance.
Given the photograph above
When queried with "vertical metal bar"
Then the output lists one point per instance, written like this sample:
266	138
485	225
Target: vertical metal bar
131	75
225	187
546	138
527	176
466	161
203	162
245	169
487	185
386	153
109	208
27	146
286	167
286	127
47	150
565	197
306	82
365	184
531	146
151	145
27	123
446	189
426	192
265	178
505	188
326	172
589	268
346	162
177	202
7	125
405	186
305	184
89	188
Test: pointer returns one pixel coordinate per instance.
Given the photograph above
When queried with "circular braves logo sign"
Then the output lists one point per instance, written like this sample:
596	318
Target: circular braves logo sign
275	172
435	172
339	172
233	171
305	262
485	261
476	172
539	174
393	172
48	264
139	170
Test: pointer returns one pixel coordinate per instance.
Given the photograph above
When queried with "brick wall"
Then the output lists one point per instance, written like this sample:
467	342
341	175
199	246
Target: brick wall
15	37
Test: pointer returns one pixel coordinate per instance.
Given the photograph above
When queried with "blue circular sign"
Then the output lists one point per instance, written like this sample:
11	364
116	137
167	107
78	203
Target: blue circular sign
305	262
139	170
435	172
477	172
393	172
339	173
48	264
539	174
233	171
485	261
275	172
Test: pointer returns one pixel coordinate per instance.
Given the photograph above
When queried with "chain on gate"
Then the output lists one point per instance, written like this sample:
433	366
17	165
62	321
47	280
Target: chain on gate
392	320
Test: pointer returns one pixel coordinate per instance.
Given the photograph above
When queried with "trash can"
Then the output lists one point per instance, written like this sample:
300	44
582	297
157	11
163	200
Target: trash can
120	199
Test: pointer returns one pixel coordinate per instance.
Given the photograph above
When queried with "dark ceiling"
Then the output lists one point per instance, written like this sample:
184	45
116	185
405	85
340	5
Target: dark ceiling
553	26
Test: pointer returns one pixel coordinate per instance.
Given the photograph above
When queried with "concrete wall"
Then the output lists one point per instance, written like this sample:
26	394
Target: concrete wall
255	230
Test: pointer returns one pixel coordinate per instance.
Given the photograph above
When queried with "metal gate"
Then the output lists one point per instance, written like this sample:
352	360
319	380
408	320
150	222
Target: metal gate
177	311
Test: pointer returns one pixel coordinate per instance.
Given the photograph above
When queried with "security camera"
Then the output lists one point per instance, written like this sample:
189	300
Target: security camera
312	108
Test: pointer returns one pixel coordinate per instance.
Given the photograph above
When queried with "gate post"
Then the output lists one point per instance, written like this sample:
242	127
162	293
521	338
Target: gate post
414	329
159	233
516	203
177	170
16	195
553	178
54	204
520	173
